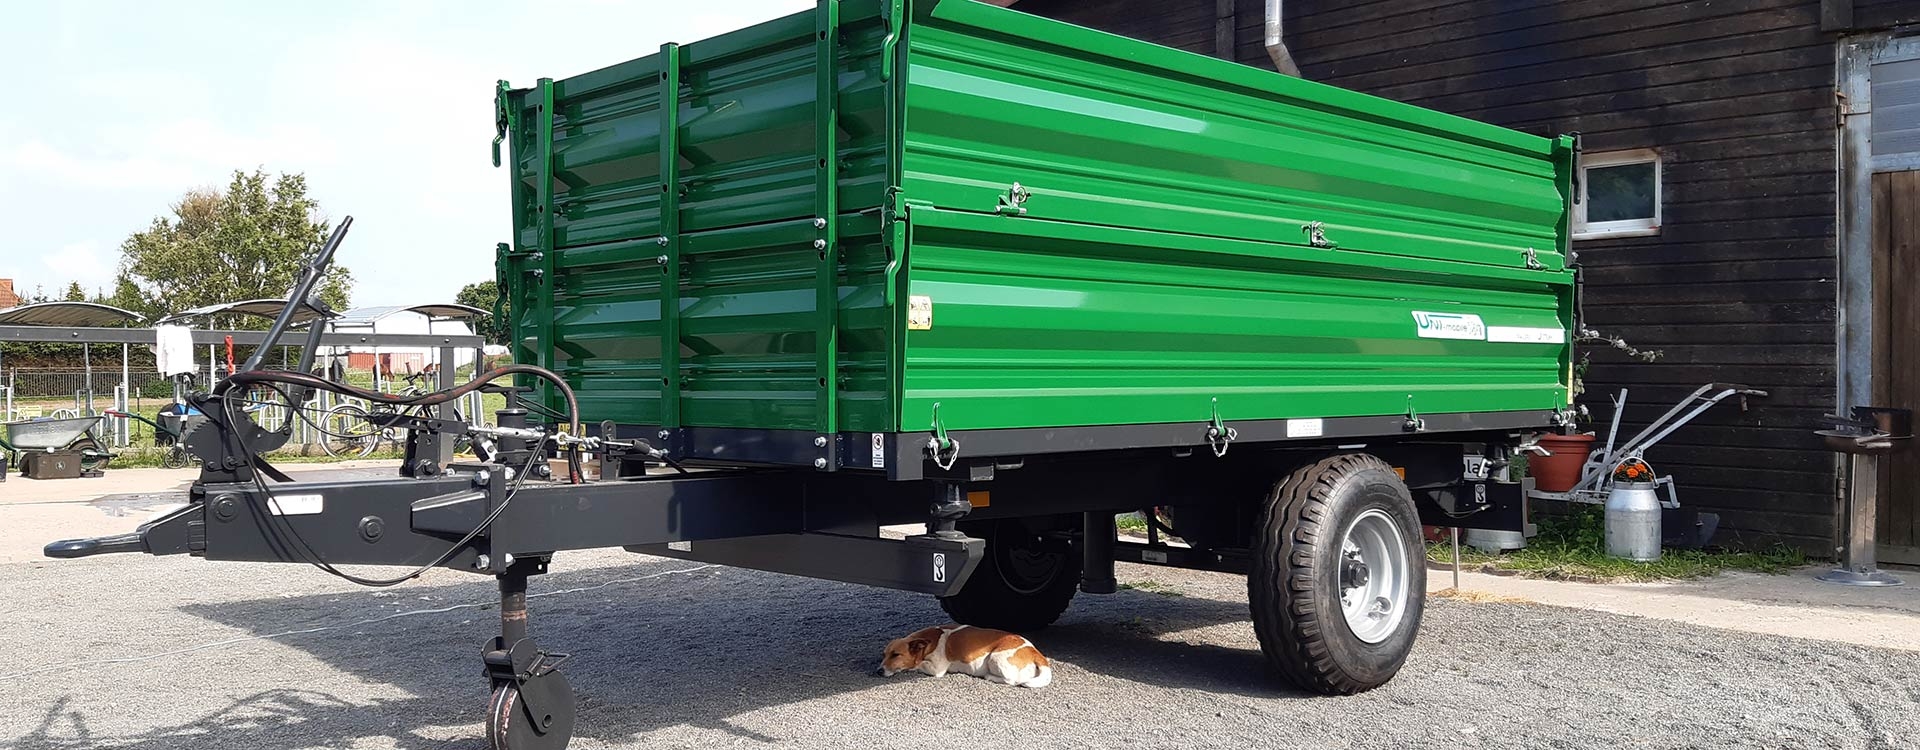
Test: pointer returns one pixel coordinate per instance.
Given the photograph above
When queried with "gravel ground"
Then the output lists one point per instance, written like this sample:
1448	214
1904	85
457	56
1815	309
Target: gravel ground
722	657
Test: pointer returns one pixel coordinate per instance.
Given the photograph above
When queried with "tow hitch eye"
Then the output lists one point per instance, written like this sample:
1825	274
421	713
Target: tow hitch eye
1353	573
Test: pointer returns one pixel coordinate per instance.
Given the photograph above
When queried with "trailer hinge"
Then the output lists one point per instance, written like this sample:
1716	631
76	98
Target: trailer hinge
1533	260
1219	435
503	119
1414	422
943	449
1317	235
1012	204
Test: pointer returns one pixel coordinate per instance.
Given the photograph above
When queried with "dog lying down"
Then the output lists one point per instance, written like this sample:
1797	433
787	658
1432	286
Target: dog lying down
982	652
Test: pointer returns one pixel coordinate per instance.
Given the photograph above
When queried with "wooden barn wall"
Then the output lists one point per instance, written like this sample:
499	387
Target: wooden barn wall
1737	97
1882	14
1185	24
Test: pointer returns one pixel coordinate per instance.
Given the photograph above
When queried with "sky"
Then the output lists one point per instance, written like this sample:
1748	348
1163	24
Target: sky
114	109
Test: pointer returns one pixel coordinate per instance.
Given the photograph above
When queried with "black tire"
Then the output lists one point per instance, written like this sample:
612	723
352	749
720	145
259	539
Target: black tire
1025	582
1294	588
88	445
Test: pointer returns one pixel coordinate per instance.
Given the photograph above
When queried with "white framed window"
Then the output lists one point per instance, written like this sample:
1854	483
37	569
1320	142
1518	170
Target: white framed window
1619	195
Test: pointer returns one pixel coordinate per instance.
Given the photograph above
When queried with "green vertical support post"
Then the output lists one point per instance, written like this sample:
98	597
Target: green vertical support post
544	242
893	226
826	221
670	235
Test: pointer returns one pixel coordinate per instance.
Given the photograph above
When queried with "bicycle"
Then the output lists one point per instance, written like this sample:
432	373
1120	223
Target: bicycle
349	428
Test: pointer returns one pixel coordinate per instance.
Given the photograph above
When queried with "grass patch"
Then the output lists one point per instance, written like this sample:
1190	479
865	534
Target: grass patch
1574	547
1131	522
148	457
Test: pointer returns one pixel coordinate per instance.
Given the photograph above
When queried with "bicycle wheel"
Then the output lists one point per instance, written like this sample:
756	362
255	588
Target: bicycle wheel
349	432
269	408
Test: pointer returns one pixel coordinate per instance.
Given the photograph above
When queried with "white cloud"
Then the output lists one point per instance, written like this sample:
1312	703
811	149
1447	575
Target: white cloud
386	107
79	261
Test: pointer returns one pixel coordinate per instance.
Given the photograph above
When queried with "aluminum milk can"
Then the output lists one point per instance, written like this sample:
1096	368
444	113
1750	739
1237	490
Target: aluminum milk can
1633	521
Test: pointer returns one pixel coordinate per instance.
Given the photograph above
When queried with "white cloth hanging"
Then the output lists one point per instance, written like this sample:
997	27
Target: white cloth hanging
173	350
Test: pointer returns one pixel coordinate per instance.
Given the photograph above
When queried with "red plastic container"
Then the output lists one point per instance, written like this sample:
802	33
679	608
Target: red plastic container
1560	471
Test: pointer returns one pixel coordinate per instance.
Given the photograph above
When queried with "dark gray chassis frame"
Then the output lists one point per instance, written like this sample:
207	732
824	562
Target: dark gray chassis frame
816	523
775	513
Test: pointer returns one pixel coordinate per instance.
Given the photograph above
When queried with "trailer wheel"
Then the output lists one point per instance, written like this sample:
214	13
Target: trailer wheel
1023	584
1338	583
511	727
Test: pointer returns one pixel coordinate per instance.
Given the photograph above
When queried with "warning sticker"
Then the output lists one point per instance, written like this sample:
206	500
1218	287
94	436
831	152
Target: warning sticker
879	451
919	313
939	567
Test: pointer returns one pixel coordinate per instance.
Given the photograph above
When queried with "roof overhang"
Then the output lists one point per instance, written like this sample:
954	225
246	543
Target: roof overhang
75	314
263	308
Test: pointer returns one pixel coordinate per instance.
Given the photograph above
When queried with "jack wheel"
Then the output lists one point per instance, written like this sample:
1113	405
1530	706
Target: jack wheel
1024	583
510	726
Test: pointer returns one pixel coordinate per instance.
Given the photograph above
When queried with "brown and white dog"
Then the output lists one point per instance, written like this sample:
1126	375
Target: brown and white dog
982	652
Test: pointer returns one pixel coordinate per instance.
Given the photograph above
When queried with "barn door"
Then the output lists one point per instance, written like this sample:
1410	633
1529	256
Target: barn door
1896	353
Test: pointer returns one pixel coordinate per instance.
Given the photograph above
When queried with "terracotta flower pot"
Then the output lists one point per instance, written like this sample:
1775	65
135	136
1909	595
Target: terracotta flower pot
1560	471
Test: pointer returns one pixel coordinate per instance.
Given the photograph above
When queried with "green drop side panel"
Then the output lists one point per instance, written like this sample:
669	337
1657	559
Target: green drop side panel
734	258
1160	265
1161	262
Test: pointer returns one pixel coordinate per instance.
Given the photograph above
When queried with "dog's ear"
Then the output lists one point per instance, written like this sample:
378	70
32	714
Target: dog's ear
919	647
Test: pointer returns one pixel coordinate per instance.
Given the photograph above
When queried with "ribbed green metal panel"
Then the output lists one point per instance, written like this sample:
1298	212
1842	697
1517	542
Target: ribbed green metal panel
1162	263
741	242
1162	260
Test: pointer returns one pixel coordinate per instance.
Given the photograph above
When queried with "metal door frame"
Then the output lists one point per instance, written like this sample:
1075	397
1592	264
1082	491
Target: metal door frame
1857	165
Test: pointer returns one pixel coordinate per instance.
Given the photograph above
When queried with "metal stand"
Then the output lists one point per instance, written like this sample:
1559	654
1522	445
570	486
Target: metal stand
1456	559
532	706
1859	567
1867	435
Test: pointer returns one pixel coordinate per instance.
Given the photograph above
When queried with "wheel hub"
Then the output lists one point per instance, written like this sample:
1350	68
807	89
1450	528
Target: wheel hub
1353	573
1375	574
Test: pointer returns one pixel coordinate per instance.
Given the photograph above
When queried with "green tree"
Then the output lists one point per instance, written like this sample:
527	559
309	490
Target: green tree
484	295
75	293
246	242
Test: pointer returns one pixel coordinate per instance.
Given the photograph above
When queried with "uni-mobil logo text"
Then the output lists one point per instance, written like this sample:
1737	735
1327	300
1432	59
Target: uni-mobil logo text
1433	325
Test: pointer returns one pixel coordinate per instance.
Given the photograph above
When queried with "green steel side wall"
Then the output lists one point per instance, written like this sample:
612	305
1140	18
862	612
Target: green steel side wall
1160	266
1161	263
747	164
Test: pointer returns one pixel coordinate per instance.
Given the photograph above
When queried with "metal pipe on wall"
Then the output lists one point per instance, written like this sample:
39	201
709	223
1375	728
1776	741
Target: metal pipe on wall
1277	40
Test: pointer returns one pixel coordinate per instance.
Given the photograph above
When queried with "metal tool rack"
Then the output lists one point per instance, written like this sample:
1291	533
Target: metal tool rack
1596	474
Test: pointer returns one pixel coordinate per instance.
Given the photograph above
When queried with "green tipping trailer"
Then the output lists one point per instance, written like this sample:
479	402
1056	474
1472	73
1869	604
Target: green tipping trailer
941	262
990	226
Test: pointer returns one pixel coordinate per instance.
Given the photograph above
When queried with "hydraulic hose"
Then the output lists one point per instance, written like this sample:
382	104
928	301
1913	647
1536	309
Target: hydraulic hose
428	399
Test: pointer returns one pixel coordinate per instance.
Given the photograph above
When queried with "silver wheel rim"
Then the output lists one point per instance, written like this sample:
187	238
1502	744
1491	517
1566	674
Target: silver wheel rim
1373	576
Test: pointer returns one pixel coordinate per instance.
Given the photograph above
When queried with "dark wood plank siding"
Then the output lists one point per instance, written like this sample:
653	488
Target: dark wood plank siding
1882	14
1186	24
1737	97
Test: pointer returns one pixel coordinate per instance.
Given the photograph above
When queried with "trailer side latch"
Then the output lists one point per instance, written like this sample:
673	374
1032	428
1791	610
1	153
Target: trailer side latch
1317	235
1012	204
1219	435
944	450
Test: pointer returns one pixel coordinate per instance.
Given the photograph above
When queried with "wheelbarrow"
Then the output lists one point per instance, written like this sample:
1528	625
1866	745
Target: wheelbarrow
167	430
72	434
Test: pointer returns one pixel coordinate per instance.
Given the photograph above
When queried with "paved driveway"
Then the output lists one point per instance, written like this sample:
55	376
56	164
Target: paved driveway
725	657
